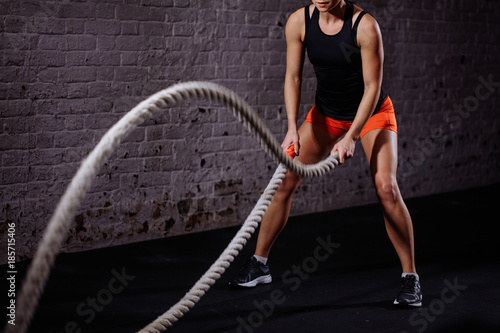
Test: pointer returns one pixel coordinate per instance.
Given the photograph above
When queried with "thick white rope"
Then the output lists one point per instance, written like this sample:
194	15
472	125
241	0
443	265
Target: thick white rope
222	263
44	258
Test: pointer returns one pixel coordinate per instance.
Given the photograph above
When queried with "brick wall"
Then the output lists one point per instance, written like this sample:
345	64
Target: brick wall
70	69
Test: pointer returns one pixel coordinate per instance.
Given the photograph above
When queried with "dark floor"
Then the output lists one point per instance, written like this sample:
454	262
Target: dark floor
348	290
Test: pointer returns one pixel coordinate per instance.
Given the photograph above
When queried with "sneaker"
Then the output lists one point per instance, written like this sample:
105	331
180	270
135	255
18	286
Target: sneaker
410	293
252	274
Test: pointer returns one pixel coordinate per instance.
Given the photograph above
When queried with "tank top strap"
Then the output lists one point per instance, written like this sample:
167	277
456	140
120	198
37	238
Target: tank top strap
308	17
358	19
348	13
355	28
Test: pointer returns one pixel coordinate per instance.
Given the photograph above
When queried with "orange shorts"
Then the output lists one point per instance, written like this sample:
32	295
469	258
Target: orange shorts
384	118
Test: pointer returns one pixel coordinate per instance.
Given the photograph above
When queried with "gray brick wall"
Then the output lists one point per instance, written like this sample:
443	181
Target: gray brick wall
70	69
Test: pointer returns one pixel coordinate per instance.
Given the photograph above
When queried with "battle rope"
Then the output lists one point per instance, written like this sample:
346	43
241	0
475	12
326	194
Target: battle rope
44	258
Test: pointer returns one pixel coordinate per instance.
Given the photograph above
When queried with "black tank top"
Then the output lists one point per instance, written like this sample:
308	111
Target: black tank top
337	62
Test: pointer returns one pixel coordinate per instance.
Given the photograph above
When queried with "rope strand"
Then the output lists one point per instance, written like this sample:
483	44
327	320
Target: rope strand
59	224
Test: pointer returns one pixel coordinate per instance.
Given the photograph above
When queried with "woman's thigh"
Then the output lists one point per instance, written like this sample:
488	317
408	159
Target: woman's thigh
381	150
315	143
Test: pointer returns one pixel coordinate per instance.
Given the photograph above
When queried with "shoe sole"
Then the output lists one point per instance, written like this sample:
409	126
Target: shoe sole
265	279
416	305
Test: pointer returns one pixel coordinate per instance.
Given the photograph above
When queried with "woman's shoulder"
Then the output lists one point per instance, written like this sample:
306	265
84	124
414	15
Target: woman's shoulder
296	23
368	28
298	16
367	21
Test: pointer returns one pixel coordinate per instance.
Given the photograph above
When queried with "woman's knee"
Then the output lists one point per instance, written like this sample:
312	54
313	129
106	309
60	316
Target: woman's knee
387	189
288	186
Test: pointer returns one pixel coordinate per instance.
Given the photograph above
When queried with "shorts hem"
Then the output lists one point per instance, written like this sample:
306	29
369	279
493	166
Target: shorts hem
385	118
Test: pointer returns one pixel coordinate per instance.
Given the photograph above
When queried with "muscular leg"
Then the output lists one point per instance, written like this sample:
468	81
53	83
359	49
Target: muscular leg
380	147
315	144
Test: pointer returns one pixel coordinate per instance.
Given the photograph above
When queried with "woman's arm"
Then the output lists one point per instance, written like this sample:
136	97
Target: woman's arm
372	56
295	29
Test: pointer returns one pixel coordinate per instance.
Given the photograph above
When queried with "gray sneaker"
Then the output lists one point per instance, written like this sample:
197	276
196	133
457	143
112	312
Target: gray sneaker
410	293
252	274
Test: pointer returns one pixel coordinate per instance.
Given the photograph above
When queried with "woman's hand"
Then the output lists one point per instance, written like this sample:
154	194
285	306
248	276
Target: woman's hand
291	139
345	147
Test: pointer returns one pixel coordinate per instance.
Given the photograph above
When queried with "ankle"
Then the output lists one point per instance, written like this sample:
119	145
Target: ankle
410	274
260	259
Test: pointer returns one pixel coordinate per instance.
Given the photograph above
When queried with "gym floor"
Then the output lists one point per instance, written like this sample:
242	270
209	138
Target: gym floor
333	272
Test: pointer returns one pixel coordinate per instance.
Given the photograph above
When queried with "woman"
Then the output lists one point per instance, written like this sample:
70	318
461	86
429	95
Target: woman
344	45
